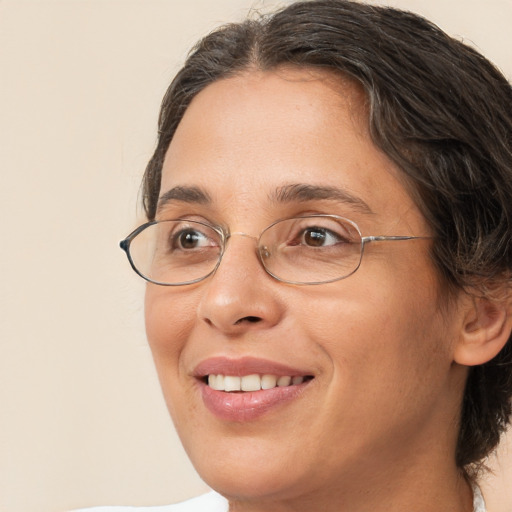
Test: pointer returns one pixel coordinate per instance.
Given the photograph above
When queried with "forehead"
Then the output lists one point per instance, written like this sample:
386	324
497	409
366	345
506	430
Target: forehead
268	112
244	137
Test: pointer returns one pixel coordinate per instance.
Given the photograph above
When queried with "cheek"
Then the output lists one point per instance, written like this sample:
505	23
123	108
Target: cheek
380	334
388	364
169	316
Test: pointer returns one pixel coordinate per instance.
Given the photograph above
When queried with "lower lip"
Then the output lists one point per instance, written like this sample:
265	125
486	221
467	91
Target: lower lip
249	405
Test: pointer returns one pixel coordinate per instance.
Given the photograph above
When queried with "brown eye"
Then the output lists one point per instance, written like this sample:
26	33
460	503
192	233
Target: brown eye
315	237
320	237
190	239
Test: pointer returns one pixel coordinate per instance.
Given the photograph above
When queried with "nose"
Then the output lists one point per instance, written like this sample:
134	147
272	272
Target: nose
240	295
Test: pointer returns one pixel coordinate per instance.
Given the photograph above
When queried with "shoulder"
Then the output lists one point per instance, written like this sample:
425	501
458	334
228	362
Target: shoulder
210	502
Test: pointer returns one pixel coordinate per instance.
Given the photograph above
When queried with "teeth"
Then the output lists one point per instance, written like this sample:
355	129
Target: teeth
268	381
252	382
232	383
284	381
216	382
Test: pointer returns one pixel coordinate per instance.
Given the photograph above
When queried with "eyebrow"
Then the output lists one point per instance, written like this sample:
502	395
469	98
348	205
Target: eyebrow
303	192
295	192
184	194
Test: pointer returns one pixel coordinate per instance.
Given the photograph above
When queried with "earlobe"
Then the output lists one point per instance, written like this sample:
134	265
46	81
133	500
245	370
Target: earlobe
485	330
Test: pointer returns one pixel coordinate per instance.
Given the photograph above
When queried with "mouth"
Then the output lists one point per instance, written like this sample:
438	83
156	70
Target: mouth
253	382
241	390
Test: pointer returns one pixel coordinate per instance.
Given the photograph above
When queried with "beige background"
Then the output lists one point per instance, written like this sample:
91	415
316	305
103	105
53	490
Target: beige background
82	420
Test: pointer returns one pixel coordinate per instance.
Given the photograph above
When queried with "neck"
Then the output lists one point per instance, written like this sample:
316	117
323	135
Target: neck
398	492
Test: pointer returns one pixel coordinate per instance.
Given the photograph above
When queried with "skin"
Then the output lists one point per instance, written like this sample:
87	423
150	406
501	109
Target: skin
376	428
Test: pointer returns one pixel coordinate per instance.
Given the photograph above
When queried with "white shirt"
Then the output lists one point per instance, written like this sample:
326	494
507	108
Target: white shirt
213	502
210	502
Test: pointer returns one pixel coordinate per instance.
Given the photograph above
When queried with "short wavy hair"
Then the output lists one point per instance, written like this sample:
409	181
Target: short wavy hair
437	108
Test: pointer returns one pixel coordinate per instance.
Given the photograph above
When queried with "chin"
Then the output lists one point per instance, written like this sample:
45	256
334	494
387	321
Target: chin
265	483
247	469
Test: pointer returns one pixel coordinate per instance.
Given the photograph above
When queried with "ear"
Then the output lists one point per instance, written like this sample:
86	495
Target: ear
486	329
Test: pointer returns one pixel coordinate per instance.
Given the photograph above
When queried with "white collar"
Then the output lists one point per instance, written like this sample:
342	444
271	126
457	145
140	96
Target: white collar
478	500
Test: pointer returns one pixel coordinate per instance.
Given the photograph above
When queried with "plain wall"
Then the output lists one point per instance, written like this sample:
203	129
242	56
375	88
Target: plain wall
82	419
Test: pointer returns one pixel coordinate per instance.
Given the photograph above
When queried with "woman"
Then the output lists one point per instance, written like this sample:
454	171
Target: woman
328	256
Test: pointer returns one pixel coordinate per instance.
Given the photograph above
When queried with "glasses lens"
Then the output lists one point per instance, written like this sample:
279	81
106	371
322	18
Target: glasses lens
308	250
176	252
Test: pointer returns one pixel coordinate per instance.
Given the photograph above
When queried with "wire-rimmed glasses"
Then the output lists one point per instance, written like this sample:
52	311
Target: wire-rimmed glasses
305	250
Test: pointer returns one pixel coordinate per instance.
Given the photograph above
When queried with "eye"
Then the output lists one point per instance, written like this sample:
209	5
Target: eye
189	238
315	232
319	237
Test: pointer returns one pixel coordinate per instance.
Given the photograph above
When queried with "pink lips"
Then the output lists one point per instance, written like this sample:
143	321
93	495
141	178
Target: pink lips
246	406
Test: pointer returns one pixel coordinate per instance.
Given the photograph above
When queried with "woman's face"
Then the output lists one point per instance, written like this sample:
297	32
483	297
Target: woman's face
374	349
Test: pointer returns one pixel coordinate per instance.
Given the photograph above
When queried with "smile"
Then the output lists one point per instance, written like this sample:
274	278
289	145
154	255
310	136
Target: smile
244	389
254	382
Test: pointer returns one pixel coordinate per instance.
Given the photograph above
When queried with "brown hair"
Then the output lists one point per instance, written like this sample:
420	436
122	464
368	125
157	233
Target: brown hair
438	109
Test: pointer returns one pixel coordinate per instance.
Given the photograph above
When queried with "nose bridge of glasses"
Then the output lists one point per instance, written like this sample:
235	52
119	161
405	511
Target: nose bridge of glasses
262	251
241	233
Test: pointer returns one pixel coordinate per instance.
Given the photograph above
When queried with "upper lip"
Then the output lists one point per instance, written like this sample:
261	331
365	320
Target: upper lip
245	366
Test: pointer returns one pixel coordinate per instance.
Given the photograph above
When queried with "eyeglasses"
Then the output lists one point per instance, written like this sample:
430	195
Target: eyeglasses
312	249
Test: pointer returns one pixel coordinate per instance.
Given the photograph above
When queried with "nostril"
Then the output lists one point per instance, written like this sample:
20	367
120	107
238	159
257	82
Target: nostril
250	319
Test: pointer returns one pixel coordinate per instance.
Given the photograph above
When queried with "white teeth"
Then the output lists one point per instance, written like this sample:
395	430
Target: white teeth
216	382
284	381
252	382
268	381
219	383
232	383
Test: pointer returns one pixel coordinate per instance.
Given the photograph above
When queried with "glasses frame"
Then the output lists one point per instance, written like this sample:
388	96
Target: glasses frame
225	235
